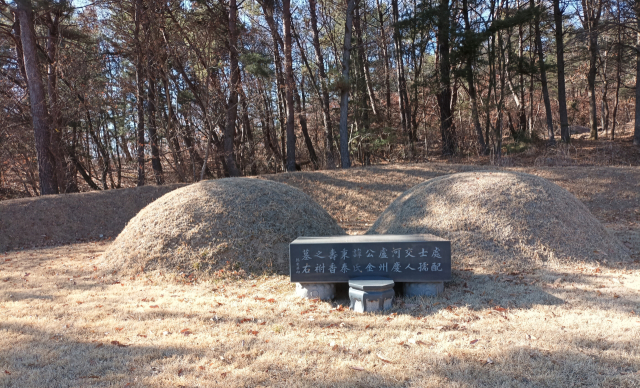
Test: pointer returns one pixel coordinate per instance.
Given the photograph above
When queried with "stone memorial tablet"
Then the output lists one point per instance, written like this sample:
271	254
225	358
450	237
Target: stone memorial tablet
401	258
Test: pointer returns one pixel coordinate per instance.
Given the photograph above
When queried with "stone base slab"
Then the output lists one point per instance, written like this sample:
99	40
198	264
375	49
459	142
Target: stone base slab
423	289
322	291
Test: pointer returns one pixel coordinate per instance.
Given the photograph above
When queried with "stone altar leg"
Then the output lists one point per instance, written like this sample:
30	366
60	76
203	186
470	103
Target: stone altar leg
423	289
367	301
323	291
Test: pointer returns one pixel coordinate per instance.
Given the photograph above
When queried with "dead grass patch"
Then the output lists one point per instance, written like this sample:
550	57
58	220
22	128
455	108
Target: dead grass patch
228	225
555	326
502	220
70	218
67	325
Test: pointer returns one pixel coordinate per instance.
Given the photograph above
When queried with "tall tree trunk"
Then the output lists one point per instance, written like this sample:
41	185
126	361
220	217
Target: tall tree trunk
64	172
139	92
636	130
172	135
153	132
522	112
268	8
470	80
232	105
562	94
364	61
246	124
39	113
405	107
604	118
618	73
543	77
590	22
444	80
329	161
345	160
288	70
302	118
385	58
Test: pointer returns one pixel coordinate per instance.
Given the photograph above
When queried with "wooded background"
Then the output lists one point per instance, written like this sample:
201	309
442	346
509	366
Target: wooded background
118	93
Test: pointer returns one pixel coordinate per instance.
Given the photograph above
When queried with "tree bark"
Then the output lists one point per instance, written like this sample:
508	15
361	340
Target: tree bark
153	132
65	174
618	73
345	160
405	107
444	80
471	82
590	22
385	58
302	118
288	70
39	112
232	105
139	92
364	61
636	130
562	94
543	77
329	160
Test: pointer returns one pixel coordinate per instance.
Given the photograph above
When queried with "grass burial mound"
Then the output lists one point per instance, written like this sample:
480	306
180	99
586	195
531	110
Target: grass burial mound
236	224
511	220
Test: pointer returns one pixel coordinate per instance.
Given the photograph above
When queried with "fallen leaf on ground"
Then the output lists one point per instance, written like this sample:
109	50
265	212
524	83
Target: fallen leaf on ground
489	360
7	372
501	309
384	359
154	307
473	342
185	331
420	343
117	343
356	367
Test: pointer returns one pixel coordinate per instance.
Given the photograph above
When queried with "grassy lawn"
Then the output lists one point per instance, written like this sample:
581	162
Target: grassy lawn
67	324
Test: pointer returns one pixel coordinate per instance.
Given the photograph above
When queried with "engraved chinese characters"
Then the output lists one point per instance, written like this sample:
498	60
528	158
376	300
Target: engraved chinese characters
398	257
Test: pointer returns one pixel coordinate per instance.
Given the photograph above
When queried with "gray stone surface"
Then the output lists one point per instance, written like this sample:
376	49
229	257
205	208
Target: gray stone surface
364	301
401	258
423	289
370	284
323	291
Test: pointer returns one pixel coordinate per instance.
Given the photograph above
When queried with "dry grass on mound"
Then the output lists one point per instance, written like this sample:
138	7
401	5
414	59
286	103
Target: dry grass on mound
237	224
69	218
502	219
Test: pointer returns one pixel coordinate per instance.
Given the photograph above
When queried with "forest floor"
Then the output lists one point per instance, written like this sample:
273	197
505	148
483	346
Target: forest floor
67	323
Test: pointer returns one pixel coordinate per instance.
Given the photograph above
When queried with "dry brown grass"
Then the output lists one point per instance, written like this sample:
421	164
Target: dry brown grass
70	218
502	221
567	325
236	224
66	325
